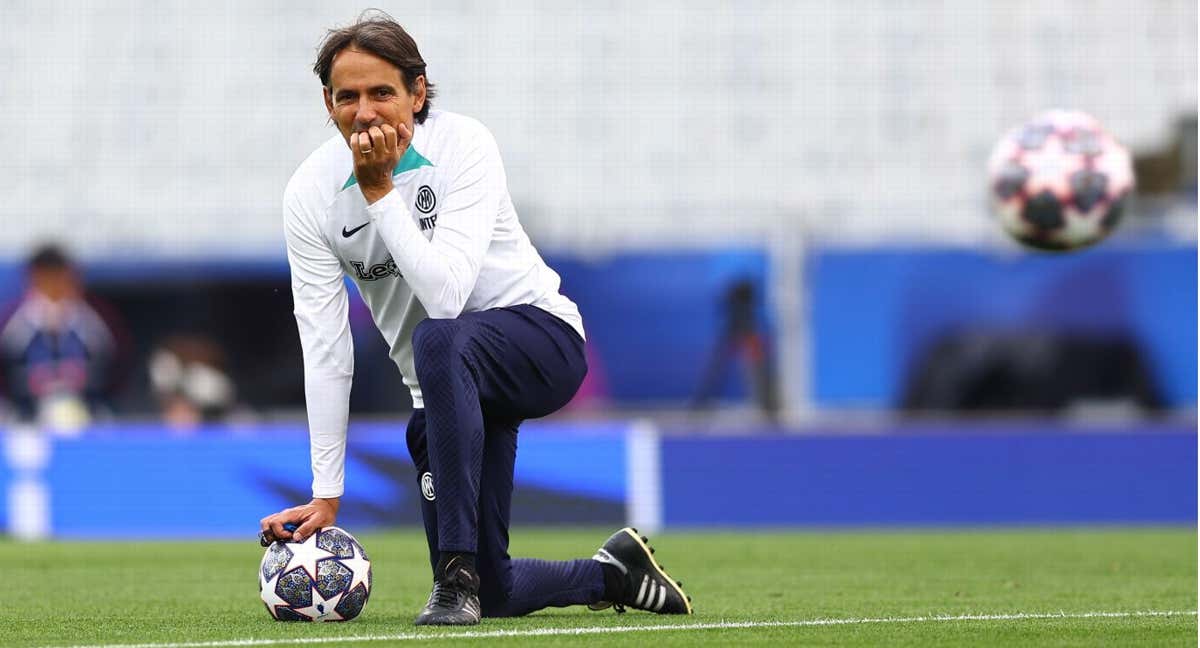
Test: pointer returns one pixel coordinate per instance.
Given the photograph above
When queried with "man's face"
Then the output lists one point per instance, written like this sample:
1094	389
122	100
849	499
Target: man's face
56	284
368	91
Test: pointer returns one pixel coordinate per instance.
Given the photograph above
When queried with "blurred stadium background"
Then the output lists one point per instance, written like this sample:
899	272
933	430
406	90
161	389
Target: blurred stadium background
773	217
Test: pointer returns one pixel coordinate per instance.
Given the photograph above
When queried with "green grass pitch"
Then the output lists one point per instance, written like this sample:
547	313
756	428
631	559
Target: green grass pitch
882	588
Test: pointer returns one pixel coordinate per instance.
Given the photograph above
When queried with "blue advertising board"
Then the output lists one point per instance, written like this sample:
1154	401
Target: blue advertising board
142	482
1001	474
874	311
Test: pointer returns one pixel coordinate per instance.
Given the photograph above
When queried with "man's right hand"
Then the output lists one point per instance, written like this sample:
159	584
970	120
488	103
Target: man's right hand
309	518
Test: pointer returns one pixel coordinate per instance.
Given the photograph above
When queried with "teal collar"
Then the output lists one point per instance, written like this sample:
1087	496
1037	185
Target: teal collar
411	160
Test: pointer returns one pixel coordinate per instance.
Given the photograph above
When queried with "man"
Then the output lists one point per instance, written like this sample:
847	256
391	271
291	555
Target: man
61	357
413	204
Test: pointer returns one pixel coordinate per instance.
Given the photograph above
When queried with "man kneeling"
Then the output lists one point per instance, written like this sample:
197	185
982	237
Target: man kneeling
413	204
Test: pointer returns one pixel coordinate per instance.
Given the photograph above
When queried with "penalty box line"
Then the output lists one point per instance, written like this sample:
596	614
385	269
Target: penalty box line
676	627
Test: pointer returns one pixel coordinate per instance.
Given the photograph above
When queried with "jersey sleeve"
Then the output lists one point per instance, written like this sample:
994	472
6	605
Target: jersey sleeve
321	308
442	271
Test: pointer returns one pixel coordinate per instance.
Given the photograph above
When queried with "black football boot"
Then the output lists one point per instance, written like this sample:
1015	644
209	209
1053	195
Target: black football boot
455	596
646	585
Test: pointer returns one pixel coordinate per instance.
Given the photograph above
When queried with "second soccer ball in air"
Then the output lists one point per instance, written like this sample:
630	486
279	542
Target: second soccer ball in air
1060	182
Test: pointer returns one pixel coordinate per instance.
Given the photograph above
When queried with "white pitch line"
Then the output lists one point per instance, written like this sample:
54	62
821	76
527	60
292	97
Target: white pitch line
599	630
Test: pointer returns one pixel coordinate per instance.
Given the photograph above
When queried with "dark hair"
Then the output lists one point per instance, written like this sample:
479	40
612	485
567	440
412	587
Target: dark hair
381	35
49	257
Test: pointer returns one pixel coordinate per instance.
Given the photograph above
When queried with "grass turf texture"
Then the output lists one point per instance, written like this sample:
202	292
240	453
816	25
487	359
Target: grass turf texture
73	593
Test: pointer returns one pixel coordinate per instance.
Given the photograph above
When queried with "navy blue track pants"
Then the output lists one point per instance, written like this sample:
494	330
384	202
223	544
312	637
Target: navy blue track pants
481	375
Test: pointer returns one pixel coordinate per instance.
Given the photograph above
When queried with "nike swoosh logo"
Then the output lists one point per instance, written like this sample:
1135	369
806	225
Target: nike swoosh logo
348	233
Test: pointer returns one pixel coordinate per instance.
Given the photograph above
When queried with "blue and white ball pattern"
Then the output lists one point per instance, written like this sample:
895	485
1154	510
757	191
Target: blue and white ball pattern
325	578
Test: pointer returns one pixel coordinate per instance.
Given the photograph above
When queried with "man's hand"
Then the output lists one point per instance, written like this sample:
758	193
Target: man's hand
376	152
317	514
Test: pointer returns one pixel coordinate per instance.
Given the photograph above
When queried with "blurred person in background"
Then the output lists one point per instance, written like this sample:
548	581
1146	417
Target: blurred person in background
61	352
413	204
743	337
191	382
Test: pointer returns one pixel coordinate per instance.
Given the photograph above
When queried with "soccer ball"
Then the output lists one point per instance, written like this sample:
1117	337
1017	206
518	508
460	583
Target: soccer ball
325	578
1060	182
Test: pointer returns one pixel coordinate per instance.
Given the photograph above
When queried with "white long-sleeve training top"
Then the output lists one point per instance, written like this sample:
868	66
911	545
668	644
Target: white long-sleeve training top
445	241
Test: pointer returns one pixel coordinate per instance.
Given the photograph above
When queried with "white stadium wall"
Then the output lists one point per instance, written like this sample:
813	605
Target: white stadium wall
131	128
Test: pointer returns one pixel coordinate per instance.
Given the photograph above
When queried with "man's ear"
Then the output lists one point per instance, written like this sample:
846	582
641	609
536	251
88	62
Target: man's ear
328	101
419	95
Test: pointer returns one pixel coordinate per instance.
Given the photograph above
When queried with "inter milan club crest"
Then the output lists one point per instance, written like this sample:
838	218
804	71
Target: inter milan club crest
427	486
426	201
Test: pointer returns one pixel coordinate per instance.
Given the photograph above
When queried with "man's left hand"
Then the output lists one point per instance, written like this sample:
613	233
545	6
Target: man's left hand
377	151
